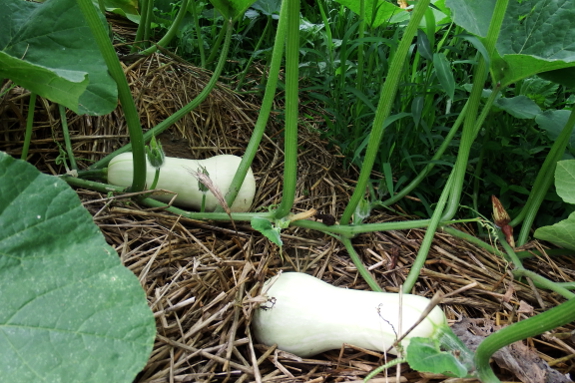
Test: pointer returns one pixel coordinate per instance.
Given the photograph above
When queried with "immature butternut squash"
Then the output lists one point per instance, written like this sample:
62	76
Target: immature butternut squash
306	316
177	176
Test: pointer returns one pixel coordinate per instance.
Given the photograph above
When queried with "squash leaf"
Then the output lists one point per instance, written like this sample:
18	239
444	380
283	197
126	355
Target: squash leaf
49	49
70	311
536	36
562	233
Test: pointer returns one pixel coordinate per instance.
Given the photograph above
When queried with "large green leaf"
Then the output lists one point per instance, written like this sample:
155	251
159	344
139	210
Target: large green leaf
537	35
69	311
49	49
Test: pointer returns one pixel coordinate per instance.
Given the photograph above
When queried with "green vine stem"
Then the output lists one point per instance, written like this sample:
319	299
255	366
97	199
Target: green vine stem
155	131
520	271
520	254
470	128
208	216
198	29
363	271
29	126
66	134
350	231
417	180
543	182
544	283
171	33
379	369
249	63
265	110
384	106
143	31
291	109
216	47
115	69
428	238
546	321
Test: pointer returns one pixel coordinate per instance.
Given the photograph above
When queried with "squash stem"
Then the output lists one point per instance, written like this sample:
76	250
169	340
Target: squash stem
29	126
203	207
386	101
543	182
548	320
472	122
115	69
156	178
165	40
183	111
394	362
430	165
428	238
291	109
66	134
349	231
265	110
363	271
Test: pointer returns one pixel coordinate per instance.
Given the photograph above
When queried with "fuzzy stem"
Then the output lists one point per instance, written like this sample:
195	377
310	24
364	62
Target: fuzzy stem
291	109
67	141
128	105
385	104
155	131
548	320
29	126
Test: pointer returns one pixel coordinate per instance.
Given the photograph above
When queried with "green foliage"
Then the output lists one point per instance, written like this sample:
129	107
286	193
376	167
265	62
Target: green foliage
377	12
37	42
563	232
270	231
70	311
426	355
125	8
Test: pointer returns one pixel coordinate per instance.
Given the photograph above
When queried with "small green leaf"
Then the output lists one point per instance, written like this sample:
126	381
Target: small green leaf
265	227
417	108
425	355
444	74
423	46
565	180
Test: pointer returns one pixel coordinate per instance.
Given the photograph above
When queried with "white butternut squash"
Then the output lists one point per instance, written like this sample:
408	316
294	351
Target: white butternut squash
306	316
176	175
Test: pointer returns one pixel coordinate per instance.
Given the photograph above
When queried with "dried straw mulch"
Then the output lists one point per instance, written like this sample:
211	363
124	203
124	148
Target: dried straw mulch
202	279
